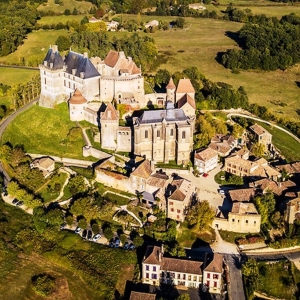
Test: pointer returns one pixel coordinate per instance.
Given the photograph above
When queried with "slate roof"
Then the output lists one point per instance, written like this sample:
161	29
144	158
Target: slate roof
156	116
141	296
185	86
77	98
186	99
53	57
143	170
81	64
181	265
216	265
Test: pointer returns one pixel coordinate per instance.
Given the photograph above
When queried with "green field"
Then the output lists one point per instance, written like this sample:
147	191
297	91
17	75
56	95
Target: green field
81	6
45	131
59	19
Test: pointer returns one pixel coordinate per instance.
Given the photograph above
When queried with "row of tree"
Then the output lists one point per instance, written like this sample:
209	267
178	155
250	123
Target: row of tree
267	44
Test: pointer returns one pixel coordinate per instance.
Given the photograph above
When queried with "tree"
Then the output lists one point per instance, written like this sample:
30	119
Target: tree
63	42
162	77
250	271
258	149
55	217
176	250
77	184
200	216
183	297
85	207
265	205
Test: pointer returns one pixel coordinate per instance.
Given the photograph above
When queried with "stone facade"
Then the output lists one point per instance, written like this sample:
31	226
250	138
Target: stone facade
205	160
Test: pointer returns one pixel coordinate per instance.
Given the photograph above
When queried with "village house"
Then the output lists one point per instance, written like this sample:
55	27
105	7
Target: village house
292	210
262	136
157	269
241	195
223	144
44	164
181	192
140	175
205	160
242	218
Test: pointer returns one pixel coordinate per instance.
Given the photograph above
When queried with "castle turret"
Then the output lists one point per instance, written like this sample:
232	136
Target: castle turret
171	91
77	103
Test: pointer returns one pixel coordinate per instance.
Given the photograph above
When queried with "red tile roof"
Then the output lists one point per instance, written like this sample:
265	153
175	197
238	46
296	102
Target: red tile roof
185	86
216	265
113	115
186	99
77	98
143	170
171	84
181	265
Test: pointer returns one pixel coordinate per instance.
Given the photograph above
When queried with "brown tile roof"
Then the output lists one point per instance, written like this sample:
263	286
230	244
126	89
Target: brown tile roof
290	168
259	130
242	195
171	84
113	113
141	296
158	180
216	265
152	255
205	154
143	170
177	195
243	208
43	162
186	99
185	86
111	58
77	98
182	266
221	148
277	188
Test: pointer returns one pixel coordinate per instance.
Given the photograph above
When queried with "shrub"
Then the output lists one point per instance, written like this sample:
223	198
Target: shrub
43	284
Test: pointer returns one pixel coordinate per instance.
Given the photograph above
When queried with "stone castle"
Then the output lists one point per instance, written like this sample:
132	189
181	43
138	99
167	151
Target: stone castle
90	84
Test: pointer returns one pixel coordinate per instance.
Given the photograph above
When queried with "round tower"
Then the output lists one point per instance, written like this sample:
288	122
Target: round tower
171	91
77	103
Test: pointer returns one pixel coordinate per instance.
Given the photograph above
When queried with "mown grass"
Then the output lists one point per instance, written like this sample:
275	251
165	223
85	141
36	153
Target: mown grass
45	131
287	146
12	76
81	6
276	279
116	199
48	20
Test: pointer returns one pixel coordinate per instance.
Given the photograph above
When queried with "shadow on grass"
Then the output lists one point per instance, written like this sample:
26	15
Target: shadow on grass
199	243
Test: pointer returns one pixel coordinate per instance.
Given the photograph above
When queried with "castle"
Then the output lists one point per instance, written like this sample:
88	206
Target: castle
90	84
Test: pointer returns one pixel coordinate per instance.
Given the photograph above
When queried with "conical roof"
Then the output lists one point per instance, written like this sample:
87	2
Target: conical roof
77	98
171	84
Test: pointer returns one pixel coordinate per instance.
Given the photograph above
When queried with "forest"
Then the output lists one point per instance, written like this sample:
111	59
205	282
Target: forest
267	44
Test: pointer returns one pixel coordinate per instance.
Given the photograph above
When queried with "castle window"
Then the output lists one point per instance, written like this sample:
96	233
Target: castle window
64	83
146	134
45	81
183	134
246	221
171	132
158	133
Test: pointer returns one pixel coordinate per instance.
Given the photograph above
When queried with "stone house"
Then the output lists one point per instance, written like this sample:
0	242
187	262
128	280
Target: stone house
261	135
44	164
223	144
292	210
181	192
205	160
242	195
157	269
140	175
242	218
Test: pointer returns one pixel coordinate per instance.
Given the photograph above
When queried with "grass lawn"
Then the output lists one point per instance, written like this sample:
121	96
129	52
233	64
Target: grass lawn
81	6
276	280
34	48
230	236
50	195
288	146
45	131
12	76
60	19
116	199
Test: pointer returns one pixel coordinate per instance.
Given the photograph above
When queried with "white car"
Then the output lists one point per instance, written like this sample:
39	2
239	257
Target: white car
78	230
96	237
221	192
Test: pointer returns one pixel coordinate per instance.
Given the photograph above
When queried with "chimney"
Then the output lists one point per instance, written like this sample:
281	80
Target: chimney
81	75
85	55
51	65
45	63
121	54
54	48
74	71
205	261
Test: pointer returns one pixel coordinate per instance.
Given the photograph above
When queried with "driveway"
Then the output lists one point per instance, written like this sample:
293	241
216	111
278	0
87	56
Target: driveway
207	188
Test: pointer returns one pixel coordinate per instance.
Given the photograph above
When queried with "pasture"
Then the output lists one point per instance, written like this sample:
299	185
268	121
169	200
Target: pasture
81	6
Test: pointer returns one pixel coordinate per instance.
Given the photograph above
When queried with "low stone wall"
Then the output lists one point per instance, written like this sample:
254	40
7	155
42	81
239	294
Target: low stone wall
90	151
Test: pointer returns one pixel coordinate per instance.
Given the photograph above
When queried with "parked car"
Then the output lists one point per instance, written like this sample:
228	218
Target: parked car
126	246
221	192
117	242
84	234
15	201
111	244
78	230
89	235
205	175
131	247
96	237
20	203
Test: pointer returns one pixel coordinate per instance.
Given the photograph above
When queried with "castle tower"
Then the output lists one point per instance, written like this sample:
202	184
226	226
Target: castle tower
51	72
109	123
171	91
77	104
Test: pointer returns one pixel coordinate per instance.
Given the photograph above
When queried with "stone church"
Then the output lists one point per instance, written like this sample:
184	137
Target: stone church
90	85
